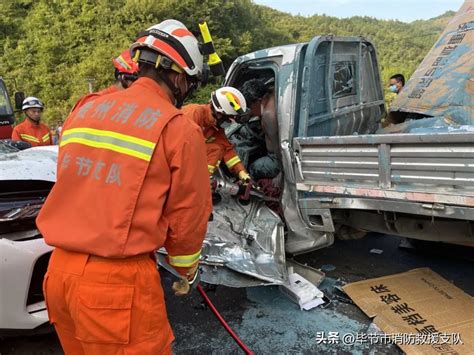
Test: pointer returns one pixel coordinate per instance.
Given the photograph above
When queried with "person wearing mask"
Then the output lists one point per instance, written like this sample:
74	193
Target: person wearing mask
395	85
131	179
32	130
227	103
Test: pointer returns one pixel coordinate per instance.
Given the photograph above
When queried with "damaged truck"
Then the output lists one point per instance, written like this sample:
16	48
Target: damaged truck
342	172
347	168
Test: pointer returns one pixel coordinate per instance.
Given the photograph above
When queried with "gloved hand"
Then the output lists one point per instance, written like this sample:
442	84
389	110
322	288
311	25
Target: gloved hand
244	176
213	182
188	282
181	287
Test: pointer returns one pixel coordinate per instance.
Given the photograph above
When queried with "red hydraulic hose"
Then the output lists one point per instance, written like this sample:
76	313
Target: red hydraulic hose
223	322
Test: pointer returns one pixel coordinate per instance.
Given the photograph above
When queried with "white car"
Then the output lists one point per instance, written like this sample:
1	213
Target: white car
26	177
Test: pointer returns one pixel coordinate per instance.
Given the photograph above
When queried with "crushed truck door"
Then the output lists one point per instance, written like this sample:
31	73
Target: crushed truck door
340	95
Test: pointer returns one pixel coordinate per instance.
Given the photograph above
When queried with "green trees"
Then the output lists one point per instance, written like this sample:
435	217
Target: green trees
49	48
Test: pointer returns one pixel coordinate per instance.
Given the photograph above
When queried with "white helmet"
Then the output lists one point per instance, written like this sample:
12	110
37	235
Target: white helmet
175	42
229	101
32	101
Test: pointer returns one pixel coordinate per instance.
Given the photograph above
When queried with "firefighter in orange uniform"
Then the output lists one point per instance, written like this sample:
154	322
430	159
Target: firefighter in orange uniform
31	130
130	180
226	103
125	74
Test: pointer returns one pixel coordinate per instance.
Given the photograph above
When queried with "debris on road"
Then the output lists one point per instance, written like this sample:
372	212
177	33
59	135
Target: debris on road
429	313
328	267
302	291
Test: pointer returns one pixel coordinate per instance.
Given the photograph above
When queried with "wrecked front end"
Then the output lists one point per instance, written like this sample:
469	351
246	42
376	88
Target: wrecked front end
26	177
244	244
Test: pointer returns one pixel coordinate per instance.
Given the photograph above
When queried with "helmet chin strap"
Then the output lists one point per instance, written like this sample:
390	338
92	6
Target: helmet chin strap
178	95
126	80
218	117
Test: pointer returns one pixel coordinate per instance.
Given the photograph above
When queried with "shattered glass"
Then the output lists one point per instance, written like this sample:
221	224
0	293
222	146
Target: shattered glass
343	81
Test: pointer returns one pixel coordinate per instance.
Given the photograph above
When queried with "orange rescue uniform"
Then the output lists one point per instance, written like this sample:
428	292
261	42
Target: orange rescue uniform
90	97
35	134
130	180
94	95
218	146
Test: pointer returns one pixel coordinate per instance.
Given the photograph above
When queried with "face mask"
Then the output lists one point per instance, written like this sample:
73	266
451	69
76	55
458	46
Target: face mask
179	96
393	88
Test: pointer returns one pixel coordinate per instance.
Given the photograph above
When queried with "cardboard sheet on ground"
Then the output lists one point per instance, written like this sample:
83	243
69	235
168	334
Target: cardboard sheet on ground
418	302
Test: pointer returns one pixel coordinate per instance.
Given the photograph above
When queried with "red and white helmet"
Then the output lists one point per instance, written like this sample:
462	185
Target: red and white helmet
124	63
229	101
173	40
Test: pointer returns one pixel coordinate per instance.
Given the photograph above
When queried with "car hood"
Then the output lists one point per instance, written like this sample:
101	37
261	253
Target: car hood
252	255
37	163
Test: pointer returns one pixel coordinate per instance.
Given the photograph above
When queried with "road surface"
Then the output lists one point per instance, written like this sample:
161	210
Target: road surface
270	323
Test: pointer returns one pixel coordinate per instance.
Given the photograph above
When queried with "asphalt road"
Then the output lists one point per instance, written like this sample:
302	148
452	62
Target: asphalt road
269	323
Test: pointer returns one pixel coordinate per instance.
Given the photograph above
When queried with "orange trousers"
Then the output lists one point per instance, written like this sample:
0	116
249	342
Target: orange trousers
106	306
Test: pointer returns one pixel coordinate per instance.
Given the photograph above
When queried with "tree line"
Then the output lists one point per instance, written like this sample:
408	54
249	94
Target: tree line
53	49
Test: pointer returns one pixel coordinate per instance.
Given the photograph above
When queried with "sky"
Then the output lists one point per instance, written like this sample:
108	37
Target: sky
403	10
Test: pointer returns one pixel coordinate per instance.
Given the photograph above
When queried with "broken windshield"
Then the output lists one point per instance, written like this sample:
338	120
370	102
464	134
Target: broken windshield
343	83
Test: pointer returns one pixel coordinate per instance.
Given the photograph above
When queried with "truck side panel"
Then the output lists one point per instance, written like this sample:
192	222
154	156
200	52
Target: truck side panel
434	169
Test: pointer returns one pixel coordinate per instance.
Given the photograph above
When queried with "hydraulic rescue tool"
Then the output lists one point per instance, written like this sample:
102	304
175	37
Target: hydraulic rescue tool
243	190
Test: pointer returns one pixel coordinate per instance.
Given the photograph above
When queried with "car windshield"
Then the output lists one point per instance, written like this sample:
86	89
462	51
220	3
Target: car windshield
5	105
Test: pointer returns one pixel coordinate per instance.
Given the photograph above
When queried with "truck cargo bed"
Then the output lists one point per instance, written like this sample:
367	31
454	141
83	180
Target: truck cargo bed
436	169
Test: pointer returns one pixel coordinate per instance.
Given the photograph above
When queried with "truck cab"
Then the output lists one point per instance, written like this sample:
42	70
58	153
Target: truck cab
7	117
340	169
325	88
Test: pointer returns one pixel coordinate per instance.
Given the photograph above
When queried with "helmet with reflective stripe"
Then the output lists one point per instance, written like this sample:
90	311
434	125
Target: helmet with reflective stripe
175	48
124	63
32	101
229	101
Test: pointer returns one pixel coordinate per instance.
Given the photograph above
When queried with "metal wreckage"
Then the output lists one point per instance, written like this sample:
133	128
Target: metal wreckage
342	173
330	108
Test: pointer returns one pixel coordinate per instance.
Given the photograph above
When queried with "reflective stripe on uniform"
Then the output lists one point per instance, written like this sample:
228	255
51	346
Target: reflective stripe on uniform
45	137
117	142
184	260
27	137
210	139
231	162
211	169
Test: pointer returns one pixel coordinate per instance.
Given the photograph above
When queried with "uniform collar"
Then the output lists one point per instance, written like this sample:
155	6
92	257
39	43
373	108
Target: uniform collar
110	90
148	84
30	124
210	120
